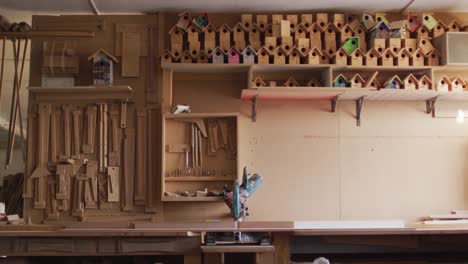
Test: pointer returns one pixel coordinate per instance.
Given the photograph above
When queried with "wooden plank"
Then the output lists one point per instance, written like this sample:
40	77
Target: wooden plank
76	116
66	110
129	169
140	179
140	29
130	54
81	93
282	246
91	112
237	249
91	191
113	184
166	99
31	151
43	34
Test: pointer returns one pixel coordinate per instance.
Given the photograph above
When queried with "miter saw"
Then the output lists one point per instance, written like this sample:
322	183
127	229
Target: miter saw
236	200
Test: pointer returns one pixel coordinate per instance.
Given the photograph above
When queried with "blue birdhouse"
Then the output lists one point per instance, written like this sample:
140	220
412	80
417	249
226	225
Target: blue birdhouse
340	81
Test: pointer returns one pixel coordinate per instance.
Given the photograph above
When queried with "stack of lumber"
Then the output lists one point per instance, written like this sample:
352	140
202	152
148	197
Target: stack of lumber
456	219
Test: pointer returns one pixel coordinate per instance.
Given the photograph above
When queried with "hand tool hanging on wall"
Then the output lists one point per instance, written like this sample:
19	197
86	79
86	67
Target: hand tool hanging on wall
129	169
2	65
90	184
103	118
54	135
63	185
91	111
114	153
51	207
66	154
76	114
40	174
113	184
140	177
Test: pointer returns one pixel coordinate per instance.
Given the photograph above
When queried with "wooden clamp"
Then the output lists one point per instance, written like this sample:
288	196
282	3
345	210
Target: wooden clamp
91	194
140	177
116	139
103	109
129	169
123	115
76	134
51	209
91	111
66	109
41	172
113	184
63	186
54	136
199	122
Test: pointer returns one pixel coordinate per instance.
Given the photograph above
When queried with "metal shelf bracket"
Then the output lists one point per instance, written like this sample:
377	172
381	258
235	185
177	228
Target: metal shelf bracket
430	106
359	103
334	101
254	108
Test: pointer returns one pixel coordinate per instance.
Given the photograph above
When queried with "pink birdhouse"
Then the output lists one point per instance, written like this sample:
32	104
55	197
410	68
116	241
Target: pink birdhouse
233	56
183	20
413	22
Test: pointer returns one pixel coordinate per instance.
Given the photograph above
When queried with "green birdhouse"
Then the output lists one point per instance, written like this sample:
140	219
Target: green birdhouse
429	21
351	44
340	81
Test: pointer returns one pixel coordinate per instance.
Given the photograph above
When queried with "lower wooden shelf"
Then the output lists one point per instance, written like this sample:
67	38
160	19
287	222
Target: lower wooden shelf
196	179
237	249
192	199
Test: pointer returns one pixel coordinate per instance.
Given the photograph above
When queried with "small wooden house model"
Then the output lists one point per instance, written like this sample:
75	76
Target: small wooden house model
293	21
454	26
372	57
411	82
183	20
248	55
403	58
262	21
330	37
300	32
357	81
263	56
378	44
287	43
444	84
398	29
428	20
458	84
380	31
315	35
339	20
246	20
345	32
394	83
433	58
103	67
279	56
322	21
375	84
423	32
340	57
254	36
340	81
224	35
413	22
351	44
394	44
168	57
307	20
410	44
357	57
202	57
271	43
425	45
418	58
296	56
186	57
439	29
314	56
314	83
200	20
360	32
424	83
258	82
209	36
379	17
217	56
368	20
291	82
233	56
388	58
303	44
193	33
238	36
177	39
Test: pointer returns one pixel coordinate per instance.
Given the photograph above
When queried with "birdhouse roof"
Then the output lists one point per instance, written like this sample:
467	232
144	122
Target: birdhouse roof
239	25
379	25
225	26
192	26
412	77
358	50
374	51
425	78
210	26
341	76
233	49
176	28
317	26
315	50
346	26
423	27
188	53
381	17
298	26
217	49
263	49
279	48
394	78
107	54
441	23
314	81
375	82
291	80
398	24
168	52
298	50
434	50
459	79
403	50
202	52
258	79
359	77
454	22
338	52
255	25
447	79
183	13
388	50
333	26
419	50
247	49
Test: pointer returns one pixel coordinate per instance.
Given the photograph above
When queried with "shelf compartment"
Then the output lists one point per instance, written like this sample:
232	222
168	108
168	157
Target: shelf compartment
81	93
200	178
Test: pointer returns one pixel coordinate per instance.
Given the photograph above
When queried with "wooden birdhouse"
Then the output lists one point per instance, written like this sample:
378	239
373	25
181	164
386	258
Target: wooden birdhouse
200	20
285	29
307	20
254	37
315	35
194	48
291	82
177	39
279	56
368	20
217	56
428	20
314	56
339	20
403	58
378	44
300	32
209	35
423	32
354	22
103	67
293	21
394	44
202	57
322	21
387	58
357	81
360	32
263	56
303	44
238	36
345	32
372	57
410	44
341	57
413	22
340	81
424	83
247	21
258	82
379	17
276	18
287	43
380	31
375	84
444	84
351	44
183	20
433	58
233	56
248	55
411	82
425	45
418	58
357	57
398	29
186	57
224	35
262	21
273	30
314	83
271	43
193	33
394	83
168	57
295	56
439	29
454	26
326	58
330	37
458	84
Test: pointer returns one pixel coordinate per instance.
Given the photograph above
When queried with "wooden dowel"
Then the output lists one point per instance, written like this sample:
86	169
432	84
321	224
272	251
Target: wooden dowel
11	125
3	67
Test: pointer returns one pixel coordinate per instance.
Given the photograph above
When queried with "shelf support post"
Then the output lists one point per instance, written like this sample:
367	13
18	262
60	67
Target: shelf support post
254	108
334	101
430	106
359	103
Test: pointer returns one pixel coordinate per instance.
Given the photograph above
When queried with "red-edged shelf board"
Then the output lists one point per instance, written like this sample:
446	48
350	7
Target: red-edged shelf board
303	93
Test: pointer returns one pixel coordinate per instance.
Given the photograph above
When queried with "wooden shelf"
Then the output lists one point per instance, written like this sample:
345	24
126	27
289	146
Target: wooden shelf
192	199
303	93
199	115
205	67
81	93
196	179
43	34
237	249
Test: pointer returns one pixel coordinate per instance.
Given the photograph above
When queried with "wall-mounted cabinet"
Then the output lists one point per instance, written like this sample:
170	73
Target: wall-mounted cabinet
199	156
